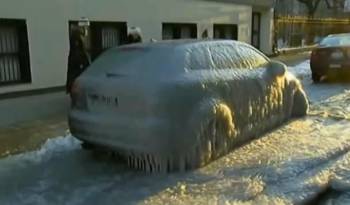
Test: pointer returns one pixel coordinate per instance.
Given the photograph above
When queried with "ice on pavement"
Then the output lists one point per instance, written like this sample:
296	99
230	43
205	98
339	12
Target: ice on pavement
316	92
302	70
291	165
328	100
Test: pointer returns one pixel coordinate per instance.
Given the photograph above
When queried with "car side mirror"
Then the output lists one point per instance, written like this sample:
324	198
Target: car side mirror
277	68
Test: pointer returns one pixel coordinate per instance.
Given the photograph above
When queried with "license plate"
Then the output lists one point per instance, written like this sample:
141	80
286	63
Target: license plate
337	55
103	100
335	66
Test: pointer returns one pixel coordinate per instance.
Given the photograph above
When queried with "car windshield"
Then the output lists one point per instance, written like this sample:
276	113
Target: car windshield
127	60
336	41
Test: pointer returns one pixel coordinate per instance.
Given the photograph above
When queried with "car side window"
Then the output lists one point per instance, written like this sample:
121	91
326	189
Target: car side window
198	58
225	56
251	58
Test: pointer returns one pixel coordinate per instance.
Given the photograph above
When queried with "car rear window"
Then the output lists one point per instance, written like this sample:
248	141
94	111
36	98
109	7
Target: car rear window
128	60
336	41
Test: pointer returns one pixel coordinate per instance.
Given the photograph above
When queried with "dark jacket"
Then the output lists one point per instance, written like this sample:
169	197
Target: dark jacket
78	60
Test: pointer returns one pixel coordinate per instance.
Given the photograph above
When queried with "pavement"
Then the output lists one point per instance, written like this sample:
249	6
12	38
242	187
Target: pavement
27	122
293	59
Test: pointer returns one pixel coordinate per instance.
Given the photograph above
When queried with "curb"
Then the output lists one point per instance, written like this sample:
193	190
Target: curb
287	51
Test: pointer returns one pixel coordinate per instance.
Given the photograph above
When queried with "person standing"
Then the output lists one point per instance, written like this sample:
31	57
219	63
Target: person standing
78	59
134	35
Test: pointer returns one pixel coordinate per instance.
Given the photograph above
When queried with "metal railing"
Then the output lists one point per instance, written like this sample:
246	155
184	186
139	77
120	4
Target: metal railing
292	32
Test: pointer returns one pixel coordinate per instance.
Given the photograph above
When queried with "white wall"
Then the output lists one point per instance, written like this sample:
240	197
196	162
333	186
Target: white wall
47	22
266	35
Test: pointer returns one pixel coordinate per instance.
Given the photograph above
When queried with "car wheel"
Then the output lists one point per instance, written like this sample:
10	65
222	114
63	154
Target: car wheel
300	104
216	136
316	77
87	146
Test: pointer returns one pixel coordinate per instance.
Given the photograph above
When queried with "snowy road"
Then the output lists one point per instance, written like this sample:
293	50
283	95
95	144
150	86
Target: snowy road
291	165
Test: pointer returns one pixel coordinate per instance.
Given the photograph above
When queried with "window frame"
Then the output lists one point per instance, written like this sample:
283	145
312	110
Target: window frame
23	51
96	40
176	30
95	35
221	26
258	31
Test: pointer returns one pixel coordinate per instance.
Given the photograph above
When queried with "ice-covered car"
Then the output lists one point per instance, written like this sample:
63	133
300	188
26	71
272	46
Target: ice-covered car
177	105
331	59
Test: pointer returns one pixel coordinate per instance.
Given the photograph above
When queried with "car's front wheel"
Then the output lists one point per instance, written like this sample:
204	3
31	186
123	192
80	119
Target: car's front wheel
87	146
316	77
215	135
300	104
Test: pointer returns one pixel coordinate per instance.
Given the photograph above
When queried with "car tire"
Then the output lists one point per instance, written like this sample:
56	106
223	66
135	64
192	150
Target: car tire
87	146
316	77
216	135
300	104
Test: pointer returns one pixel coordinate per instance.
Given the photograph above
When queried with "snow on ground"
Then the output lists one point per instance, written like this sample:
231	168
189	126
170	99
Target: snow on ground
290	165
302	70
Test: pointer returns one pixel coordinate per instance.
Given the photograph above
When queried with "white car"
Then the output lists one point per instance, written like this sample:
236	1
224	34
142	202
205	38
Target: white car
177	105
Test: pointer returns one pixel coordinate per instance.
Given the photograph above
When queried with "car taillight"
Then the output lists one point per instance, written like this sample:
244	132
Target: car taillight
338	54
78	99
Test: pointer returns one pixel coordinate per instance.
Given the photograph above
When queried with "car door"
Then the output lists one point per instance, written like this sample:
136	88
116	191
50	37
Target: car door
270	98
252	94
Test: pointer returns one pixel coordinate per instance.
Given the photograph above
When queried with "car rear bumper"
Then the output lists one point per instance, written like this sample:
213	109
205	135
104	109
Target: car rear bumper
120	133
332	70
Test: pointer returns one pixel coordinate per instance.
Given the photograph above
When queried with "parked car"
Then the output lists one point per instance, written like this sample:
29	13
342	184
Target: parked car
331	59
177	105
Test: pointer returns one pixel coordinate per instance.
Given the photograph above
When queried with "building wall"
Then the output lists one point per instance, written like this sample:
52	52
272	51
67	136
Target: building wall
47	23
295	8
266	29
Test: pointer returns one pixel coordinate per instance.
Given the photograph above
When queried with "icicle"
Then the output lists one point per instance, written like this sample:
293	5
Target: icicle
144	162
148	164
197	155
137	162
153	166
182	163
129	161
134	161
140	162
163	165
157	161
189	161
169	168
210	151
170	164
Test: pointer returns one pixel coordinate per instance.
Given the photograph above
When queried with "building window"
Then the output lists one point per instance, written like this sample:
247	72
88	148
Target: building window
101	36
335	4
226	31
14	52
179	31
256	24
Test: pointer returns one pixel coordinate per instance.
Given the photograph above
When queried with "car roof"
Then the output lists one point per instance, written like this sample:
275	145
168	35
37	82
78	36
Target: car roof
339	35
181	43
